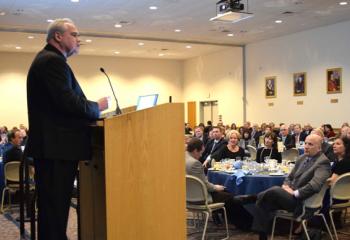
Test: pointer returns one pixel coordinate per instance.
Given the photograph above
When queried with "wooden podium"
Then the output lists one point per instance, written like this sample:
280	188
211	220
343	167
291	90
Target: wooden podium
134	187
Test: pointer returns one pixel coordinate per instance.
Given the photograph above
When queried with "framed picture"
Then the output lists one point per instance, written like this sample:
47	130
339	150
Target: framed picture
334	80
299	84
270	87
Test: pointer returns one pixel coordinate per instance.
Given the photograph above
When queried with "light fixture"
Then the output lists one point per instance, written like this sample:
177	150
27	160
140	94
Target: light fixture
141	44
2	13
88	40
188	46
49	20
230	34
153	7
343	3
161	54
177	30
278	21
75	1
232	17
116	52
118	25
30	37
18	48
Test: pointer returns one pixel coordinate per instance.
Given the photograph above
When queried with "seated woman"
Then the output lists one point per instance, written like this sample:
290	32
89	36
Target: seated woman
246	140
231	150
270	149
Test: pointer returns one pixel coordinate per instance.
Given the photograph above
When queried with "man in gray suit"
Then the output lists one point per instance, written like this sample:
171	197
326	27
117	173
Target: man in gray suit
307	178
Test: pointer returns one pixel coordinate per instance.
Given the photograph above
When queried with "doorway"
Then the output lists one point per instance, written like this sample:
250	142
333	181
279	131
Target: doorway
209	112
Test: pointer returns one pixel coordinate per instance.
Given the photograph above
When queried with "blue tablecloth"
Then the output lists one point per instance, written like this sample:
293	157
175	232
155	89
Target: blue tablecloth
252	184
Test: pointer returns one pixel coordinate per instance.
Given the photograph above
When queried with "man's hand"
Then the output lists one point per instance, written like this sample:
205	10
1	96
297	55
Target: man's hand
205	163
219	188
102	103
288	189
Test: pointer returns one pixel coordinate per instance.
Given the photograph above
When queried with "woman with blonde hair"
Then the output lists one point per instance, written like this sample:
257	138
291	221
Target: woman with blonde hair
231	150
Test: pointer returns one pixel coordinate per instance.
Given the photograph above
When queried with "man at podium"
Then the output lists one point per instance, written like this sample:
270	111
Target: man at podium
59	115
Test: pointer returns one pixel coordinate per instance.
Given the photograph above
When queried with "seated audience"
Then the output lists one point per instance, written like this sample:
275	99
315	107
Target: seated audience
306	179
326	148
246	140
13	150
256	133
231	150
345	131
269	150
213	145
199	133
209	127
235	212
341	149
287	139
307	129
188	129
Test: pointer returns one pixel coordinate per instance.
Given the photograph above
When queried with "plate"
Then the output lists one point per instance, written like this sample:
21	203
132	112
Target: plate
276	174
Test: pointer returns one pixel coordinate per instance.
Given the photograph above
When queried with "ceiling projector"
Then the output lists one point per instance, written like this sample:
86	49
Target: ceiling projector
231	11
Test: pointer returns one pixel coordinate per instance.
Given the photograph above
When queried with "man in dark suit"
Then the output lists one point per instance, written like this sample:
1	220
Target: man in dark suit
213	145
307	178
13	151
298	135
287	139
59	115
198	133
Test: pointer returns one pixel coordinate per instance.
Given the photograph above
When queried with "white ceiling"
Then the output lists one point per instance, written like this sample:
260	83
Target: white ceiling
95	20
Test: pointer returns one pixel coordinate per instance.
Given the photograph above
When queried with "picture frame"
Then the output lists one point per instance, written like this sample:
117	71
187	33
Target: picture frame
299	84
334	80
270	87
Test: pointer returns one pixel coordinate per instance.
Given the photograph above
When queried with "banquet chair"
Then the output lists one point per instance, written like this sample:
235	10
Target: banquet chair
290	154
11	175
252	152
340	190
311	207
197	201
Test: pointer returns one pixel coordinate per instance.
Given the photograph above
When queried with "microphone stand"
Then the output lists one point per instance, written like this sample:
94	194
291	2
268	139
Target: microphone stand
118	111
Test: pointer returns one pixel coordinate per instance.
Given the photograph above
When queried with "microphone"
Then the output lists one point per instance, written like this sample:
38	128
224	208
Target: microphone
117	111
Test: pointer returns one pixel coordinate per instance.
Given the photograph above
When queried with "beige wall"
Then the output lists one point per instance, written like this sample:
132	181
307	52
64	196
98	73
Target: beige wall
216	76
130	78
311	51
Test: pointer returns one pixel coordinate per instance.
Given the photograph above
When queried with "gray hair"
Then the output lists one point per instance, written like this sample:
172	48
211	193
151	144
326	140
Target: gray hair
58	25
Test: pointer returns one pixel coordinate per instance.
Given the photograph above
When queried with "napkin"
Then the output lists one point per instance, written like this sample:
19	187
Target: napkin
238	164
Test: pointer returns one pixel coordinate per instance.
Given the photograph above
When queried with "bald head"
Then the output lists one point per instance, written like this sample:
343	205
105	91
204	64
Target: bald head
313	144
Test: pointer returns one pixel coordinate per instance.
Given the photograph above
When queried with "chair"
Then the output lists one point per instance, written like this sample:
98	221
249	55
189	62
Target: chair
11	174
290	154
311	207
340	190
252	152
197	201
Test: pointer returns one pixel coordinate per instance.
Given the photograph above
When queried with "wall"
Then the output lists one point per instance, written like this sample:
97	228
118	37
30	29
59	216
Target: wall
311	51
216	76
130	78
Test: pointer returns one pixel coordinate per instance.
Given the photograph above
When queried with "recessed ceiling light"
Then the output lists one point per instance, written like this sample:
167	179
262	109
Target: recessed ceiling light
230	34
75	1
88	40
141	44
49	20
116	52
177	30
278	21
343	3
161	54
18	48
153	7
188	46
118	25
2	13
30	37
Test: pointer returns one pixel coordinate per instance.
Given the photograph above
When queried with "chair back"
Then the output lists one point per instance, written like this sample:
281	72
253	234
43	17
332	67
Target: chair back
11	171
196	191
290	154
252	151
341	188
315	201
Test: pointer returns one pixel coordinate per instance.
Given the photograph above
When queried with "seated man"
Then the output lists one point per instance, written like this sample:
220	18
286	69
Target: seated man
213	145
235	212
287	139
307	178
13	150
199	133
298	135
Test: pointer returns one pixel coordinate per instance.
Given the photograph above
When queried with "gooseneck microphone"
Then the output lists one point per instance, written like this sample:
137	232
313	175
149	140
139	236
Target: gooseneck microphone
117	111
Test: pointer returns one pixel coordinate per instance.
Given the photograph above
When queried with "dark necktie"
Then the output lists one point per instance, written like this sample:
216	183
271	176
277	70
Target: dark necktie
212	149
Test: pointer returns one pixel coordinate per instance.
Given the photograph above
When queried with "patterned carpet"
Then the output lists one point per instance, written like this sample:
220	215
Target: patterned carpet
9	229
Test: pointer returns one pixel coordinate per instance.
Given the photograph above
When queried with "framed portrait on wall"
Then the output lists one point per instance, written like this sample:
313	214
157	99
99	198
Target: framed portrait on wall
270	87
334	80
299	84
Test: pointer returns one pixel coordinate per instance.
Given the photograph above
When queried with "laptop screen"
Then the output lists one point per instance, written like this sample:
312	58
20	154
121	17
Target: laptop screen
146	101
